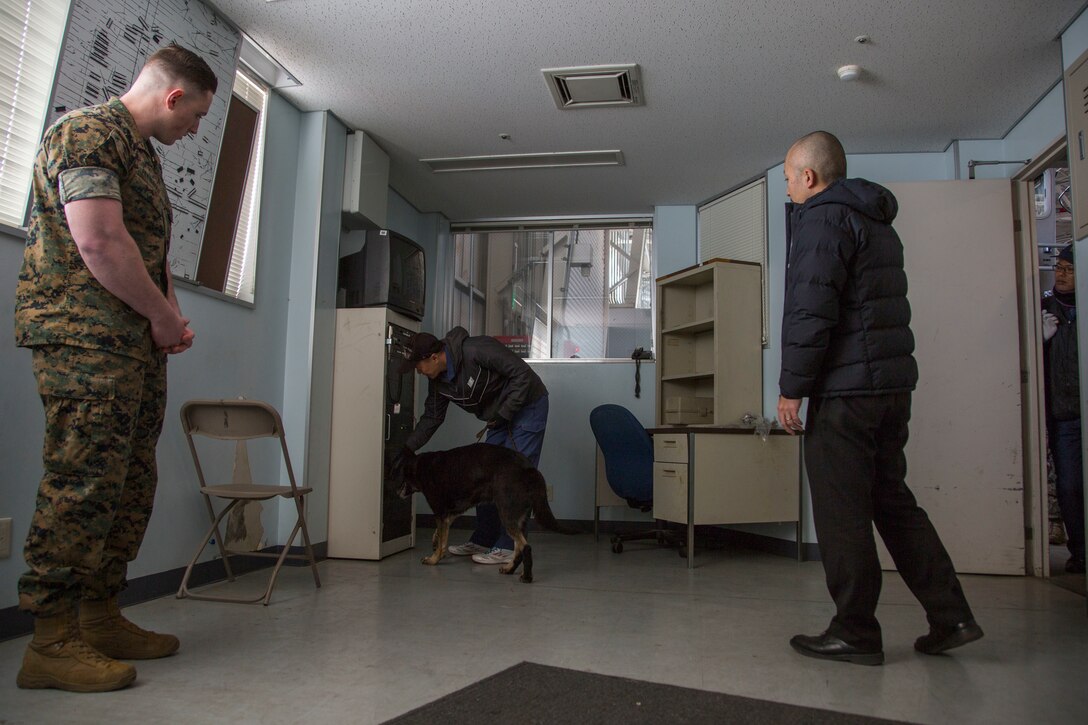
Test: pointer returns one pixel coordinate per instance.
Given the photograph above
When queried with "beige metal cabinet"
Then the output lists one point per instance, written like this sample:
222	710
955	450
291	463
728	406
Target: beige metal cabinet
708	469
726	475
371	403
709	354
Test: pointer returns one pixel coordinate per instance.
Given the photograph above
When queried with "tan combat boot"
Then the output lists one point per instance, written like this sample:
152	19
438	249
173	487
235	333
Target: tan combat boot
103	627
58	658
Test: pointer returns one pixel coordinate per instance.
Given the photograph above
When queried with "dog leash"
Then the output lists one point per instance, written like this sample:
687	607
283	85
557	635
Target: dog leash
509	436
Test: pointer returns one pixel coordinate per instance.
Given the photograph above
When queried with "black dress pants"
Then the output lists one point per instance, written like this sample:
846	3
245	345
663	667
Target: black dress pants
856	470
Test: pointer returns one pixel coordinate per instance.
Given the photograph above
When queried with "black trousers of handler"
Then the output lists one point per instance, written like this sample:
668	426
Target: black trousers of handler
857	470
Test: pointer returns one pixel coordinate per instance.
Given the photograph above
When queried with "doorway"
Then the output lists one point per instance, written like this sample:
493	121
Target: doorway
1044	205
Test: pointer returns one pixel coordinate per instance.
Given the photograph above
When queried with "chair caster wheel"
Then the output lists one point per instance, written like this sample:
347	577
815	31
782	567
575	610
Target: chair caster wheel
617	546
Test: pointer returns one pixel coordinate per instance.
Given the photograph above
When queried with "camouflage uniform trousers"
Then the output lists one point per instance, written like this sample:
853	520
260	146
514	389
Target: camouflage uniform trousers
103	417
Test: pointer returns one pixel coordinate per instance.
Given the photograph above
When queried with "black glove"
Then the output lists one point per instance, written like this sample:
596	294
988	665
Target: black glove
498	422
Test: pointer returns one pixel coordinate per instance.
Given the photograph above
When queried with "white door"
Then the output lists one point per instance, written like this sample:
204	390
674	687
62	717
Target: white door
964	457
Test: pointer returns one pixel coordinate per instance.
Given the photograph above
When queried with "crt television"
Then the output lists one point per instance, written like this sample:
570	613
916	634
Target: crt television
388	271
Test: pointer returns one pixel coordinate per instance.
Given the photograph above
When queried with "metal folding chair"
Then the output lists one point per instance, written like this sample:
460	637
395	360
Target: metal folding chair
240	421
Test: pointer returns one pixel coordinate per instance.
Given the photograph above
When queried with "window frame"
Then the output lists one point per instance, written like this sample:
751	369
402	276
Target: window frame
555	226
244	245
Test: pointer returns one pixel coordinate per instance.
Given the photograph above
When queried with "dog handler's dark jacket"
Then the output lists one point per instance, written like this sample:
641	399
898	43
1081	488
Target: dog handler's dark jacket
488	381
846	320
1060	367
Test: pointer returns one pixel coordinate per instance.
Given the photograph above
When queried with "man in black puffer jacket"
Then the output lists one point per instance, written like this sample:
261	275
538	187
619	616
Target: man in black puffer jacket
847	347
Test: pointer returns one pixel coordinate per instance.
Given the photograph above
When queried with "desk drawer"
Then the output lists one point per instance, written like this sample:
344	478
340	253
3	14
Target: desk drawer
671	491
671	447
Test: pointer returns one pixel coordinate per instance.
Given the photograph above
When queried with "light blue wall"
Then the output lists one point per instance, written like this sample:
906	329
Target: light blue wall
432	232
1075	40
1044	123
675	244
21	425
310	342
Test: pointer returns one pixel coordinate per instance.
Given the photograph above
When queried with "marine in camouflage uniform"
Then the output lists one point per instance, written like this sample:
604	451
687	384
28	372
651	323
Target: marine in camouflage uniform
100	376
95	303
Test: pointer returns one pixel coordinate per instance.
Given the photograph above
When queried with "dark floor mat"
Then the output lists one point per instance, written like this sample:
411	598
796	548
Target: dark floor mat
531	693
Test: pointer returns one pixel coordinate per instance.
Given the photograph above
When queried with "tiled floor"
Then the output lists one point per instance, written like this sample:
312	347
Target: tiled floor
381	638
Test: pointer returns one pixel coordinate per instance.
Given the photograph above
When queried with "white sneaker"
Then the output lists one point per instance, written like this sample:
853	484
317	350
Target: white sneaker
467	548
495	556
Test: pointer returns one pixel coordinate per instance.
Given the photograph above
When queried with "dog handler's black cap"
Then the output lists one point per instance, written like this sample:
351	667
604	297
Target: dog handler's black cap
420	347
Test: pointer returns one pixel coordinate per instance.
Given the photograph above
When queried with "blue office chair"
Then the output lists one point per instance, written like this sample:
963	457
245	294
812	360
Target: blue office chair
629	464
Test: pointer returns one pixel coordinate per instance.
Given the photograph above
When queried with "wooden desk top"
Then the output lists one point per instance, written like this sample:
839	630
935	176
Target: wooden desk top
713	429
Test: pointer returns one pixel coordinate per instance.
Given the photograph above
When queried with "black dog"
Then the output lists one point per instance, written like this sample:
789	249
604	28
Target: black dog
454	481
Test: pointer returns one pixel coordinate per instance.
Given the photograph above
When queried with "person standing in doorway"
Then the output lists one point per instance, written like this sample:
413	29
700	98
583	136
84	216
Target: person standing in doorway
847	347
1061	371
95	304
483	377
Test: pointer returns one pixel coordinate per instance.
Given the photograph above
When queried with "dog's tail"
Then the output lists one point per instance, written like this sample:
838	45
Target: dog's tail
543	512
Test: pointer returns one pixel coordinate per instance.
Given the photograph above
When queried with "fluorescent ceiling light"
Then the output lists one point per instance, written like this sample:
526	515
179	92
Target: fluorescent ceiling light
525	161
267	68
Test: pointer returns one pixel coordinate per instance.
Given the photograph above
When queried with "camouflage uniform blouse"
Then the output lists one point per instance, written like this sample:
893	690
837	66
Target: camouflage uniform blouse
90	153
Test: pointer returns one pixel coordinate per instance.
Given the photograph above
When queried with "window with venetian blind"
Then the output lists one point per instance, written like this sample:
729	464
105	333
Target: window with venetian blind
30	35
734	226
229	252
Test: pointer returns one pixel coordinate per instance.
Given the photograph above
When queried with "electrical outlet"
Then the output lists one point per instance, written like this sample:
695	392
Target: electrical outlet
551	492
5	538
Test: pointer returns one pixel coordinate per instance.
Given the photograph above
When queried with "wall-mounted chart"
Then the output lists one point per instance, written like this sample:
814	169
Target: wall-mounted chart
106	45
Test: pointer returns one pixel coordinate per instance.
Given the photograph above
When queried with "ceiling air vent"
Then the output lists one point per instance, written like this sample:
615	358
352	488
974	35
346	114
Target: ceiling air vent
595	85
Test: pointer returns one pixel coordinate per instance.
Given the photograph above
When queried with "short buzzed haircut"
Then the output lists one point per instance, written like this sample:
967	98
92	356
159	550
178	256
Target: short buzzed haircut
823	153
184	65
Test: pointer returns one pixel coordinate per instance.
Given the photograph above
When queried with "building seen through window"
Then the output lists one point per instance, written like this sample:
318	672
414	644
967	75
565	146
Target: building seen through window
561	293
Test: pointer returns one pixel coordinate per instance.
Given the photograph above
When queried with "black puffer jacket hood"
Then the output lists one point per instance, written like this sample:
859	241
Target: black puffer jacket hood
861	195
846	319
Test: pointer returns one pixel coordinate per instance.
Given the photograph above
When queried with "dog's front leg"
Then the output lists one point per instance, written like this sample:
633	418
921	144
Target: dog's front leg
438	541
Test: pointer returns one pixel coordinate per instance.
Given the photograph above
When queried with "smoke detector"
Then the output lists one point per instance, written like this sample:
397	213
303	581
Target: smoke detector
595	85
849	73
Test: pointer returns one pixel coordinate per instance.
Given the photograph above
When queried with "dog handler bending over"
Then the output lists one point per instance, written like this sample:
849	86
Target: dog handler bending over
483	377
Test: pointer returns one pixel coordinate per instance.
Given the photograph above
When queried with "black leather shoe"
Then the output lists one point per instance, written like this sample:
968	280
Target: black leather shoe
1074	566
827	647
939	640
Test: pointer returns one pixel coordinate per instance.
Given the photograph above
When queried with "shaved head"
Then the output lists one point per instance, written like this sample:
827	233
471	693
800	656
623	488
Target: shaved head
173	64
813	163
173	91
821	152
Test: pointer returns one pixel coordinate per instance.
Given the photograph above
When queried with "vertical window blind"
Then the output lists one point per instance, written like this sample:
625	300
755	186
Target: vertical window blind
734	227
241	273
30	37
